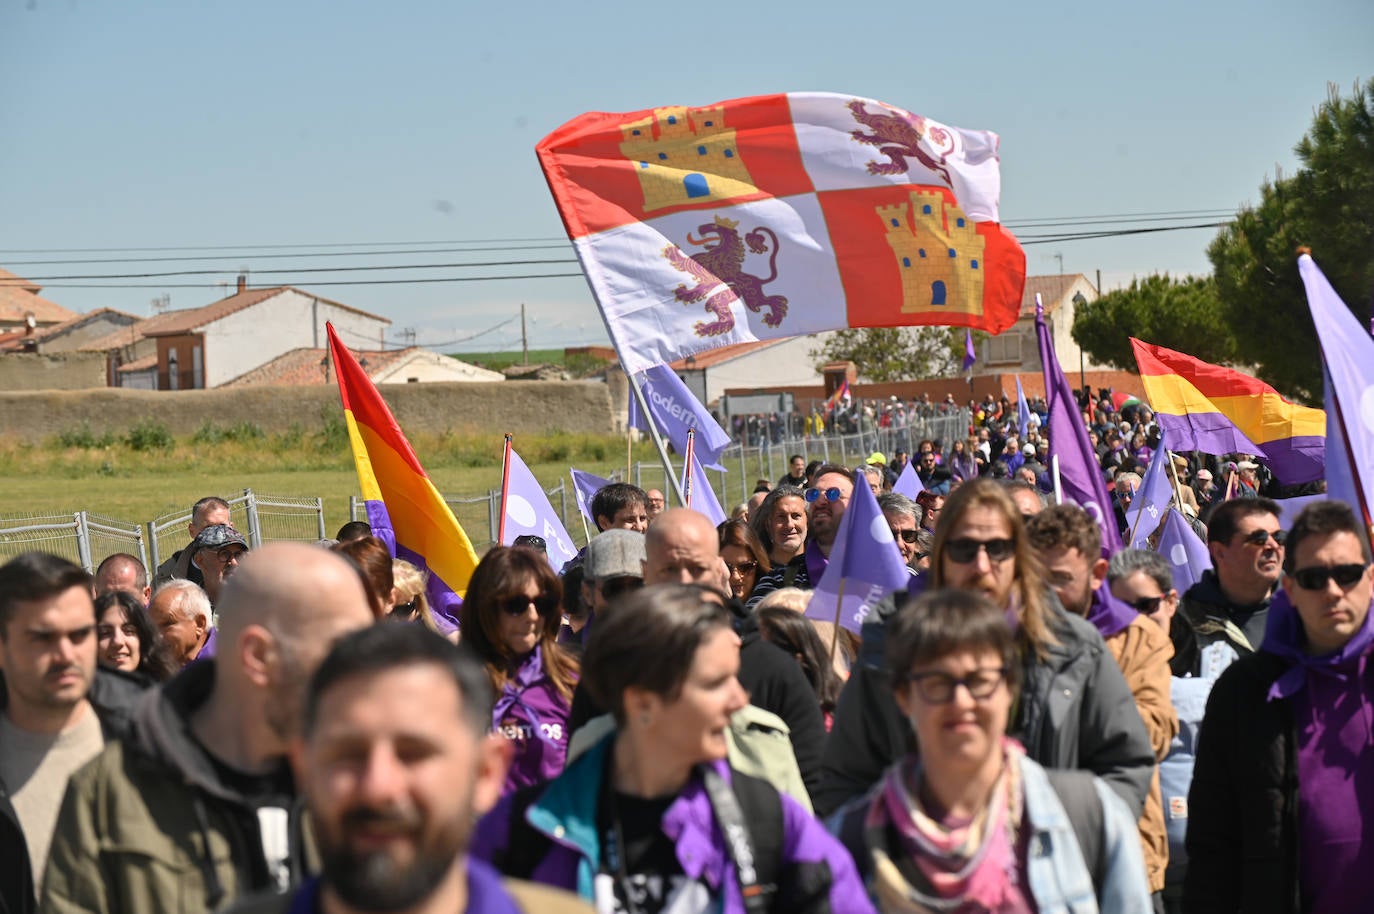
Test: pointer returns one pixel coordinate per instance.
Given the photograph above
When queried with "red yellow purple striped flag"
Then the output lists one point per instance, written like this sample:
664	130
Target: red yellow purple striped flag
403	506
1218	410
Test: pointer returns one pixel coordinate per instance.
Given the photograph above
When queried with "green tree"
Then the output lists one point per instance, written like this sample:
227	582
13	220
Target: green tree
1328	205
1175	313
896	353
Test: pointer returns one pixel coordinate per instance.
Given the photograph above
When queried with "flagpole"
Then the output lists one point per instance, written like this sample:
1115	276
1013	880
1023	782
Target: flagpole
1058	485
629	453
687	465
505	492
835	635
658	439
1173	474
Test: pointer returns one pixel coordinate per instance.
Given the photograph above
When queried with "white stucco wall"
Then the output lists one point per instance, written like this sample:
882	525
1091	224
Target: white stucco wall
257	334
426	366
787	363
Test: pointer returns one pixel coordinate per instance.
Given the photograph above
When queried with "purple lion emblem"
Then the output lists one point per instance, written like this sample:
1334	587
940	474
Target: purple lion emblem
722	262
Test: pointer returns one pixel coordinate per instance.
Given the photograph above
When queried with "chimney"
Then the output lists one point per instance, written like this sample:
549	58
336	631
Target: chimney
243	281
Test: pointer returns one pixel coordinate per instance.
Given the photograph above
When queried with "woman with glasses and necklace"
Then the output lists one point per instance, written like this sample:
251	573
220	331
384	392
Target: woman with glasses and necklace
1074	710
510	617
971	823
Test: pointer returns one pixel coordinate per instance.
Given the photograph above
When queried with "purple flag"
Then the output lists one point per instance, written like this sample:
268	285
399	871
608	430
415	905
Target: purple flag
1187	553
675	411
1022	411
969	356
1151	499
586	486
1349	355
1080	478
1290	508
908	482
866	558
528	512
703	495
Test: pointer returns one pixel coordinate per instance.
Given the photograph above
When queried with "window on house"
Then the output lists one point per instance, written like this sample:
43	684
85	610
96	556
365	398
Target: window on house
1003	349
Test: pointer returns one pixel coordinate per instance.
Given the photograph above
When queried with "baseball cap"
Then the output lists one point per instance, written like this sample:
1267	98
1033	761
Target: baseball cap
1247	465
1204	475
876	457
615	553
217	537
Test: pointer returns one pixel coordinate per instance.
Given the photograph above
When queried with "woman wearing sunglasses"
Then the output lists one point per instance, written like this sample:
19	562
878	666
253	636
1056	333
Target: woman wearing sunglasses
971	823
511	617
652	818
744	557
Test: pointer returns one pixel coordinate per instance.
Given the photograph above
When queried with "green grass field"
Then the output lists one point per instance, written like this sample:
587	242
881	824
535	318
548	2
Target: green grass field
498	360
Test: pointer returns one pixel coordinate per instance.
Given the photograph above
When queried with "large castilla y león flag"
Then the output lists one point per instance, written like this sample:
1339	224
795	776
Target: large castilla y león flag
781	215
403	506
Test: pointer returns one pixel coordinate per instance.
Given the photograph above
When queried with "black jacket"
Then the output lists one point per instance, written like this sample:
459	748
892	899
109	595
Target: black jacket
113	695
1212	617
1075	711
1243	804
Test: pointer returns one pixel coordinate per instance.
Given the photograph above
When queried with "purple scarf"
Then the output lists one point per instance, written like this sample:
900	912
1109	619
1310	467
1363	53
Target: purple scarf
816	563
1284	638
531	670
1108	614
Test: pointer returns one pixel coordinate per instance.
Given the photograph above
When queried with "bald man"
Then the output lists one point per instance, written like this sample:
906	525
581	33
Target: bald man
682	547
205	764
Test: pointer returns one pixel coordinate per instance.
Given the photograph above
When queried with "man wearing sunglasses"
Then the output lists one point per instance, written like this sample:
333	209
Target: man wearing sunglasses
1283	771
903	519
1227	609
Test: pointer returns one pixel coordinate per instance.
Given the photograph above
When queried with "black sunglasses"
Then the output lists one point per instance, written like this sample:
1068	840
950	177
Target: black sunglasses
403	610
518	605
530	541
1261	537
963	551
1147	605
1316	578
831	494
906	536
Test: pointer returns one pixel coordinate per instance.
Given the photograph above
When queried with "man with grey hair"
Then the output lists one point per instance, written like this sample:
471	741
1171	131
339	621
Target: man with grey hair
216	552
197	807
904	520
181	612
208	512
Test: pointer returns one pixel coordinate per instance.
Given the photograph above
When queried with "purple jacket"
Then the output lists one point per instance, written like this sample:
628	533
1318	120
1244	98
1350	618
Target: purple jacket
566	814
533	715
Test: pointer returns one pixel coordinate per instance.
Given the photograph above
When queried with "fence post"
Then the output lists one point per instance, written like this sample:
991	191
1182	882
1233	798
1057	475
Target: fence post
83	541
493	522
250	508
154	555
352	507
563	503
319	508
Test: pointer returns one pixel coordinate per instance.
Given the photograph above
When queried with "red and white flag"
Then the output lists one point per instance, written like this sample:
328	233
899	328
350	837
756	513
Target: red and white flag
780	215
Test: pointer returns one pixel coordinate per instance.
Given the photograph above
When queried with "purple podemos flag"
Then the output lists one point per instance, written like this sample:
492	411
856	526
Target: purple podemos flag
586	486
675	411
1151	499
528	512
969	355
865	559
1187	553
1079	474
908	483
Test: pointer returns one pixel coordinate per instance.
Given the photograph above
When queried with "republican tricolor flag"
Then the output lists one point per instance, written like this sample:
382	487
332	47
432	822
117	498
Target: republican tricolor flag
781	215
403	506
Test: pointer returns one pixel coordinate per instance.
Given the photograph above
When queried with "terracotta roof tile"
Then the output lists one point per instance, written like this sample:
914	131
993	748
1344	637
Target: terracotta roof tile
195	318
143	364
1052	290
80	319
19	296
301	367
712	357
127	336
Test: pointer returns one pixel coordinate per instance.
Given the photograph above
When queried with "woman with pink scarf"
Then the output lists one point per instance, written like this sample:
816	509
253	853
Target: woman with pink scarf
971	824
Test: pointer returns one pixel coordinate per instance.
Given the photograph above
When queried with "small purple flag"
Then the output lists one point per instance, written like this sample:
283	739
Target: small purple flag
675	411
1186	552
969	356
1151	499
528	512
1349	355
908	482
1290	508
1080	477
586	486
703	495
1022	411
866	558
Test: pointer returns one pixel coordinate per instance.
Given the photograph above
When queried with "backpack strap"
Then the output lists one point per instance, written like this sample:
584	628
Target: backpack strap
754	848
1077	791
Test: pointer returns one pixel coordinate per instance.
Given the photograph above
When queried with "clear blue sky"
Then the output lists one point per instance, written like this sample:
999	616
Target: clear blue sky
133	124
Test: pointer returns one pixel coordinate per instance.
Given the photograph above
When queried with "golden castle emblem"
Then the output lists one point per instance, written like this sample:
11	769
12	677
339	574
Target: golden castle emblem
685	155
939	254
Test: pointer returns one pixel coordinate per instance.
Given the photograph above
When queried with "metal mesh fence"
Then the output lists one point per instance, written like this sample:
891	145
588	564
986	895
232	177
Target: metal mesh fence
167	532
286	517
55	533
105	536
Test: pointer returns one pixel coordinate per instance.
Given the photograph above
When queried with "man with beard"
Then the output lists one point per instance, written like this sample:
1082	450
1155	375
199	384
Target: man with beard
826	502
396	764
56	710
197	806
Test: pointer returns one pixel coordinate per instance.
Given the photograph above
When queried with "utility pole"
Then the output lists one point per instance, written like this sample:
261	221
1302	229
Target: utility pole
524	338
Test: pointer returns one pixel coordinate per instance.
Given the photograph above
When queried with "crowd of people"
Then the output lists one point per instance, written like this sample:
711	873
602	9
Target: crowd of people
1033	723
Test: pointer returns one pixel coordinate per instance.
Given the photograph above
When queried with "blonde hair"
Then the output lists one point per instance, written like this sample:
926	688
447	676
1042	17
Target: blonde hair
410	583
793	598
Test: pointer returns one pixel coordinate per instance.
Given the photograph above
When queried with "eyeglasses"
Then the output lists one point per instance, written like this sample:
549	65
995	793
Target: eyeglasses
831	494
1261	537
742	568
963	551
404	610
518	605
938	688
614	587
531	541
1147	605
906	536
1316	578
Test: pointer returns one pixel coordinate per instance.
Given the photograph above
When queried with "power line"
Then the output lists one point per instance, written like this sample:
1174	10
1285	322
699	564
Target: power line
328	282
397	253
